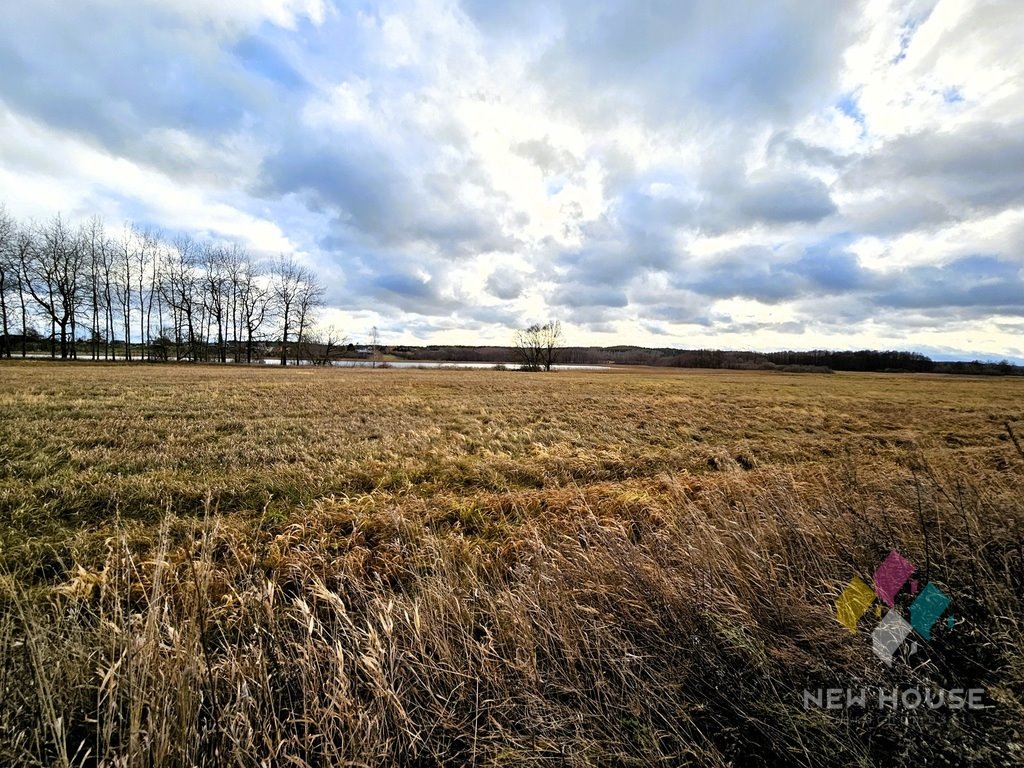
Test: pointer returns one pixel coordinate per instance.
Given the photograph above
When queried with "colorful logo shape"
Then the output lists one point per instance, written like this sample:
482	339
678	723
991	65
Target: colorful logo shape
889	579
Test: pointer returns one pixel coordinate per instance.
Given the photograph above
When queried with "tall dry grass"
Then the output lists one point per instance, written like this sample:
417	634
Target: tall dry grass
588	585
580	627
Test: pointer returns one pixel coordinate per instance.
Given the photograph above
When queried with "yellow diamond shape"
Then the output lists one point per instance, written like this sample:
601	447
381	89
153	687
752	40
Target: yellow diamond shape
853	603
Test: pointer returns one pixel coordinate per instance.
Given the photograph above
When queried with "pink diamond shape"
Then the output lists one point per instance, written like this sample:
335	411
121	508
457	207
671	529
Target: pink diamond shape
890	577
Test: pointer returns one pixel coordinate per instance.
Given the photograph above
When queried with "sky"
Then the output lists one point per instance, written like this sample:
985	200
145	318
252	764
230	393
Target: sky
675	173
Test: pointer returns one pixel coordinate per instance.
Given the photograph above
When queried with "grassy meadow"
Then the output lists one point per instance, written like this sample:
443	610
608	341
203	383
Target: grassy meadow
263	567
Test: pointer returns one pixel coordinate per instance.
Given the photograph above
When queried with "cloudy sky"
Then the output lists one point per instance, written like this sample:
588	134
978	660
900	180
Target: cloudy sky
772	175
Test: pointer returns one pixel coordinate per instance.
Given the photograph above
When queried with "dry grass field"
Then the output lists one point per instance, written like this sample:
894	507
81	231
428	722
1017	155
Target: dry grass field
217	566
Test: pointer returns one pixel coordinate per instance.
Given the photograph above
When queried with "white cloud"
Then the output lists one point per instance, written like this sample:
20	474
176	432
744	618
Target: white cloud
71	177
232	13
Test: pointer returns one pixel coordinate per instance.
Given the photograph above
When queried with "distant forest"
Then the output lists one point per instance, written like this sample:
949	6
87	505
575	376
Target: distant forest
813	361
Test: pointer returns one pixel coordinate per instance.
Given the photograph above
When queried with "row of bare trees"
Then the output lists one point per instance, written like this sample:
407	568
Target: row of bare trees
136	295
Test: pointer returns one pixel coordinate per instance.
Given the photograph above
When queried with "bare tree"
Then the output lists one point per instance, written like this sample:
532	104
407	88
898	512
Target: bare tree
324	344
23	246
54	275
286	277
148	249
216	285
235	262
296	294
310	299
551	340
527	346
9	274
93	243
179	287
254	298
156	293
123	284
538	345
107	264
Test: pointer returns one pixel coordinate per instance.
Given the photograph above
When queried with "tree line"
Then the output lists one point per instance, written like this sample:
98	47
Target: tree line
136	294
815	360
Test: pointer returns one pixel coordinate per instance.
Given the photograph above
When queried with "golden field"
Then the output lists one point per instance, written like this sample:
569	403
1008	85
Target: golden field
205	565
